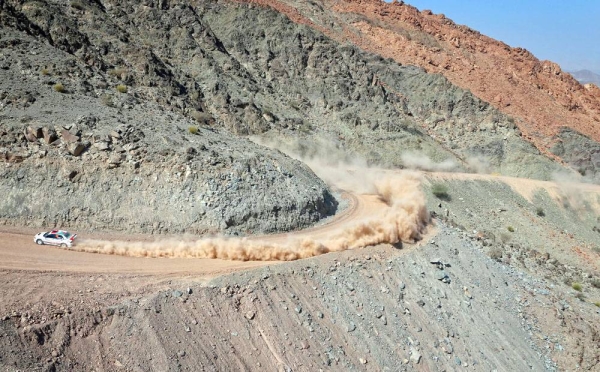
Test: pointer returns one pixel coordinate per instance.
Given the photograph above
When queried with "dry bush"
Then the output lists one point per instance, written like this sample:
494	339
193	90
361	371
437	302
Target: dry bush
505	237
201	117
59	88
122	88
107	100
495	253
117	72
440	191
193	129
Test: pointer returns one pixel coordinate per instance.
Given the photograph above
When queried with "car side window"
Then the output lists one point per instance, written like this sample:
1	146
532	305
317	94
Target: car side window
61	237
51	236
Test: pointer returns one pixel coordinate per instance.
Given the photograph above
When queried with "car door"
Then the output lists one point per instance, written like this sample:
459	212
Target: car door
52	239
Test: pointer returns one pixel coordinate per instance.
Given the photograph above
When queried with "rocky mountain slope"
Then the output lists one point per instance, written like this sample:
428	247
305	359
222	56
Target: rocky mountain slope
149	174
132	90
136	69
77	152
541	98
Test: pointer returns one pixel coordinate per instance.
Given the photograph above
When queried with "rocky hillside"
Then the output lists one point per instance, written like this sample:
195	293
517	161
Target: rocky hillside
267	73
140	92
541	98
76	152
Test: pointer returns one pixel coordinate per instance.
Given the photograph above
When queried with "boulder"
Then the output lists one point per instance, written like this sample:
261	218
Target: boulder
49	135
102	146
116	159
30	137
76	148
68	137
33	133
15	158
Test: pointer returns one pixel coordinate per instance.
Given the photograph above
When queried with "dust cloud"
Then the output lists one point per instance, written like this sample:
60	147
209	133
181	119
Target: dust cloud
398	216
401	216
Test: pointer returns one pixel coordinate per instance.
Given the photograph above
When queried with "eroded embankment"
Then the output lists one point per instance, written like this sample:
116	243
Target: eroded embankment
400	217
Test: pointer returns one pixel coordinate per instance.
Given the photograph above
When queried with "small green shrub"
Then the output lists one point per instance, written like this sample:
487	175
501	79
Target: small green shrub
59	88
511	229
122	88
577	286
193	129
597	303
440	191
195	96
540	212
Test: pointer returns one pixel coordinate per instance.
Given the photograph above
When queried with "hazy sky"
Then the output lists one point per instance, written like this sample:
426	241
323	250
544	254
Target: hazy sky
565	32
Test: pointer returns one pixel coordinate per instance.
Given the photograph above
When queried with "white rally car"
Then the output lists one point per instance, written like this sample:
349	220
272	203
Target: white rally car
59	238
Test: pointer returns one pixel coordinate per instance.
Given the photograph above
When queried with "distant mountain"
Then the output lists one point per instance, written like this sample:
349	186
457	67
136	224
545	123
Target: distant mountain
586	76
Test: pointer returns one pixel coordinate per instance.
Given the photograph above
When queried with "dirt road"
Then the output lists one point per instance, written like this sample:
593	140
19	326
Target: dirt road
19	252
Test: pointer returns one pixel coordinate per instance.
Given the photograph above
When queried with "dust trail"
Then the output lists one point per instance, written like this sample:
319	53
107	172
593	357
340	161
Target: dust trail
479	164
402	218
415	160
570	194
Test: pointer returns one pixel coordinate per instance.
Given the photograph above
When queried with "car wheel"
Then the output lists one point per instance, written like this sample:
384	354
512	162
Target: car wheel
63	245
39	242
